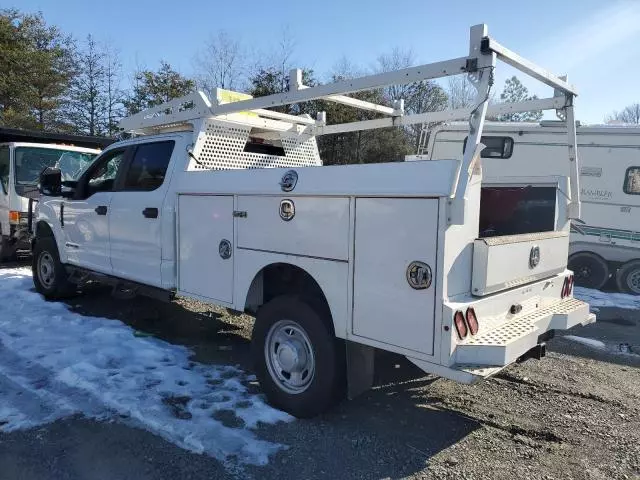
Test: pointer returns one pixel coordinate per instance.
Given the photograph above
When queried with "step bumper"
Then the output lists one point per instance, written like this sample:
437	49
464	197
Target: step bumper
506	343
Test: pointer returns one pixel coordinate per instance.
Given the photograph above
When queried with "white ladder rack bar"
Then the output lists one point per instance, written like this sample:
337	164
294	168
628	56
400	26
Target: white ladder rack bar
525	66
397	77
295	83
441	116
284	116
176	112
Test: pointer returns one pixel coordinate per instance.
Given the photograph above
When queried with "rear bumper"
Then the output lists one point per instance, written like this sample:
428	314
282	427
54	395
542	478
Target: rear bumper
495	349
508	342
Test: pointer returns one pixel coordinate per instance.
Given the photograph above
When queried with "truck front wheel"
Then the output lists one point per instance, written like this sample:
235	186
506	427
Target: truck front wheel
298	360
49	275
628	277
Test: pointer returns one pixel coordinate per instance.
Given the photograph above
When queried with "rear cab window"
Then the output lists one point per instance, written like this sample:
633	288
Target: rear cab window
632	181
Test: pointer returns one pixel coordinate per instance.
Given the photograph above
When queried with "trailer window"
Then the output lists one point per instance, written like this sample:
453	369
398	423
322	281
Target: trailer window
149	166
495	147
4	169
632	181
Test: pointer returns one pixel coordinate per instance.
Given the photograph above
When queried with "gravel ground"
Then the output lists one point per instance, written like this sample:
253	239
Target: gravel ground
574	415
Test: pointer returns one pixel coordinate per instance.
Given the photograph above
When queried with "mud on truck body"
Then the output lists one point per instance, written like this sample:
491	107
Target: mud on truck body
228	202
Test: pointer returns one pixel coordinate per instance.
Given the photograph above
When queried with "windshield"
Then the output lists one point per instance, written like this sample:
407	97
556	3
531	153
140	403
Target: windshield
30	161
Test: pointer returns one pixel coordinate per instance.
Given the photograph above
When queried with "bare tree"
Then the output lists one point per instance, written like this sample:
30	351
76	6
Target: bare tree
222	63
276	60
114	94
344	69
419	97
396	59
460	91
630	114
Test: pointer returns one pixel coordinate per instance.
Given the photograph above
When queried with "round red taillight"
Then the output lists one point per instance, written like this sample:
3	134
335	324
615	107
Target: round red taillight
569	285
461	327
472	320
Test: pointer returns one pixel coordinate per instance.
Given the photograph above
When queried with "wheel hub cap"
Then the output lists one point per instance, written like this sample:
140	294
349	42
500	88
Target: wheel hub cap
46	269
289	356
634	282
584	272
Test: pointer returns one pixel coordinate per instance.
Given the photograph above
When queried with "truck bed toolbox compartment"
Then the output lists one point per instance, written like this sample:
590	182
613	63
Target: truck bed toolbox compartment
505	262
319	226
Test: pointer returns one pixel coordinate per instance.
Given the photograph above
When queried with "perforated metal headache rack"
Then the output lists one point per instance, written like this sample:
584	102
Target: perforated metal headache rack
223	127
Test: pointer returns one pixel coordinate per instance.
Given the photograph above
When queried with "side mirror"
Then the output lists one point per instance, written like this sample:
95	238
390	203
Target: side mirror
50	182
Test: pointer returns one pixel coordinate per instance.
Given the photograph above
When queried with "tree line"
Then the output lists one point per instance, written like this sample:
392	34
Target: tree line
54	82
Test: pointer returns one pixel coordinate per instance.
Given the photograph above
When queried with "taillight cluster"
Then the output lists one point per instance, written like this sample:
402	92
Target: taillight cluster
466	323
567	287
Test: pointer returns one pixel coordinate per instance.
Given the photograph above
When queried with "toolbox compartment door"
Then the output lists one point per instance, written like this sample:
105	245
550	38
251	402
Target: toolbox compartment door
391	234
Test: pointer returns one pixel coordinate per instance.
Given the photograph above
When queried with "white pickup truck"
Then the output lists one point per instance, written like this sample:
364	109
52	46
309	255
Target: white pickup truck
228	203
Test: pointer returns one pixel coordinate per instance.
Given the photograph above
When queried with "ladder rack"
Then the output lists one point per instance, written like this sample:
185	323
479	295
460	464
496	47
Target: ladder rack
194	110
197	106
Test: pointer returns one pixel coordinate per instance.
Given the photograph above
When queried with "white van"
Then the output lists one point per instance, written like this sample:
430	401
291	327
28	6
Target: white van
607	241
23	155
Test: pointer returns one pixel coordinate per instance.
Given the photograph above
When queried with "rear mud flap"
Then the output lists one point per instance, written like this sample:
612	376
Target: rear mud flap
360	368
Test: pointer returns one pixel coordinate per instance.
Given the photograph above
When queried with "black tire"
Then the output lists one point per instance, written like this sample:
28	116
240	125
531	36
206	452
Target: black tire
628	277
6	251
589	270
55	284
326	383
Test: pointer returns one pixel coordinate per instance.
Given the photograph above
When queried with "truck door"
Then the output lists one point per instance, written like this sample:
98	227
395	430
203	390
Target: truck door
85	218
136	215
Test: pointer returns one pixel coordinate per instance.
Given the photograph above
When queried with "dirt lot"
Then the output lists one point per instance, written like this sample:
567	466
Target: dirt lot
575	415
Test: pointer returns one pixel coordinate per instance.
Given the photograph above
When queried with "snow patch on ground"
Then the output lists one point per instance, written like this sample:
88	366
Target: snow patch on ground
590	342
616	349
55	363
596	298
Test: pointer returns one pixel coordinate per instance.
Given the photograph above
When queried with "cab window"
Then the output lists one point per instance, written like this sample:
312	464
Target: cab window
632	181
148	166
102	176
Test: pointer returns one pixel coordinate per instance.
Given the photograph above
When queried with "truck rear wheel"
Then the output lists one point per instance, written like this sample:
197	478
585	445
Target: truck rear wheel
49	275
628	277
297	358
589	270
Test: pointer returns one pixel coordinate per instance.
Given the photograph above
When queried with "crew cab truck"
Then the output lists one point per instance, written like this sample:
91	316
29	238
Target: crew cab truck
606	242
23	155
228	203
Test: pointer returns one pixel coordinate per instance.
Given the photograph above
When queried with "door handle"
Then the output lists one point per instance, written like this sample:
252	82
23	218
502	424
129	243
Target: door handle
150	212
101	210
